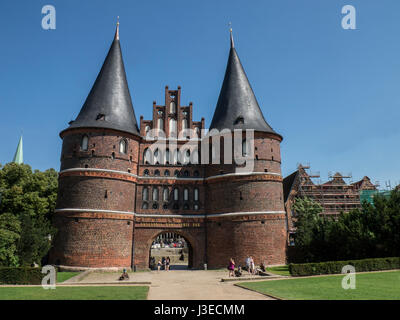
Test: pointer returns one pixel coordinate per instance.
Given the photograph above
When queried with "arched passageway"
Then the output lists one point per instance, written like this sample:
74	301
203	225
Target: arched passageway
170	245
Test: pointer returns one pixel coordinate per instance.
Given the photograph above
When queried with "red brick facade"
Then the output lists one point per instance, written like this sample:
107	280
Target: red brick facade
108	212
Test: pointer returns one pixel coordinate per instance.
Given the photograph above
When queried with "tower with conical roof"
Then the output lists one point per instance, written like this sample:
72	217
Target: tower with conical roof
19	153
245	207
99	160
113	201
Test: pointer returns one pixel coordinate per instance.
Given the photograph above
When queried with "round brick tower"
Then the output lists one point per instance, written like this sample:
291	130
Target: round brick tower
99	160
245	208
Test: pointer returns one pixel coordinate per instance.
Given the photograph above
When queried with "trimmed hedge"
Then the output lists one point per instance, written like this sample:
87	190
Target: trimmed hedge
334	267
21	275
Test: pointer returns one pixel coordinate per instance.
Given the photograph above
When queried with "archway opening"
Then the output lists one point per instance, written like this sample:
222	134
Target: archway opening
173	246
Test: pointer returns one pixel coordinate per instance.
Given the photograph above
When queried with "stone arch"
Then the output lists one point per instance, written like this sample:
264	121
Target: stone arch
194	252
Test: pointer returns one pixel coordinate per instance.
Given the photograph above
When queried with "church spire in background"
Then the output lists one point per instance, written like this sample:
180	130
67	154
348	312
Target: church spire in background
19	155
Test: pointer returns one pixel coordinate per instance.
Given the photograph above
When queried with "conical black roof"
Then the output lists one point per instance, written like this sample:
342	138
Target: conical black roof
109	103
237	106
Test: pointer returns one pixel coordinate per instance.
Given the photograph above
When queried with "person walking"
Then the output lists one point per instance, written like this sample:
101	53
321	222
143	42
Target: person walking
252	266
248	264
163	263
231	267
167	262
159	265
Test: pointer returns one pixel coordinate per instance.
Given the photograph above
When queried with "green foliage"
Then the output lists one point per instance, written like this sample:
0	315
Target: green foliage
10	229
27	203
20	275
333	267
370	232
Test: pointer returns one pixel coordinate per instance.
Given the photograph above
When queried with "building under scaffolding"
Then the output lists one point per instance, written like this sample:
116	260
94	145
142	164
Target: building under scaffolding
335	196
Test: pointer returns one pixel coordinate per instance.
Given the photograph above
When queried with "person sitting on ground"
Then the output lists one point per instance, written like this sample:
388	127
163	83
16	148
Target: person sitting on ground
262	267
124	275
238	272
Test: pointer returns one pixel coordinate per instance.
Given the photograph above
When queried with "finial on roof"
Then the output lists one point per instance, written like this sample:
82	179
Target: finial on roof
117	32
230	30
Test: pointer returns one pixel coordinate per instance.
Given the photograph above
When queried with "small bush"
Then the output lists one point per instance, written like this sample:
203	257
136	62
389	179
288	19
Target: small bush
334	267
21	275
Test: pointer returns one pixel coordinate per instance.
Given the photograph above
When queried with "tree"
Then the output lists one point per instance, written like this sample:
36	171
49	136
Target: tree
10	229
373	231
30	197
307	225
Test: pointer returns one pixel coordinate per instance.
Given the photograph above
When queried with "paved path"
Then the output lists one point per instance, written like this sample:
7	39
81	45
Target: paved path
183	285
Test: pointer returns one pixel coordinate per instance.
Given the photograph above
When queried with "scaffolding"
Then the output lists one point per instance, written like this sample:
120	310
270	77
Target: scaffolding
335	195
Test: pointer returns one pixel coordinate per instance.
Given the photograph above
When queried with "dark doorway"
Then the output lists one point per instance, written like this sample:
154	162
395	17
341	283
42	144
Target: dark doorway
174	246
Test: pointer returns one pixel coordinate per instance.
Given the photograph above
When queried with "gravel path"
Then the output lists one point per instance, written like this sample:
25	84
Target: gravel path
183	285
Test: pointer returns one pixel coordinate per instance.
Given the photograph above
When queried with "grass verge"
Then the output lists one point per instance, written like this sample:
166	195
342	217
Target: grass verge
63	276
279	270
369	286
75	293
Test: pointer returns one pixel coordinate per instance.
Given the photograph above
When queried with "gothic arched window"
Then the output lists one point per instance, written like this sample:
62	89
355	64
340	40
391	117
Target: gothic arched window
123	146
176	194
147	156
172	127
172	107
145	194
184	124
167	159
160	124
165	194
84	143
186	194
155	194
244	148
196	194
146	130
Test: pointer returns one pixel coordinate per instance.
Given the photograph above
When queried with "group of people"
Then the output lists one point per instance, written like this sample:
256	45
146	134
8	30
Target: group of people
164	262
250	267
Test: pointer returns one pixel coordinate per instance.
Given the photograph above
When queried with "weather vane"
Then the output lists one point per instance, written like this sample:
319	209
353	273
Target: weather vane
230	30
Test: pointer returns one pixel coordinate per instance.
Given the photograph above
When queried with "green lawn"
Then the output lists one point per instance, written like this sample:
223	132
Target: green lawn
75	293
279	270
63	276
369	286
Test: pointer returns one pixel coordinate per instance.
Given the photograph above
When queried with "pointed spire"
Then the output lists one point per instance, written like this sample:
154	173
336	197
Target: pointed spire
237	106
109	103
19	154
232	43
117	31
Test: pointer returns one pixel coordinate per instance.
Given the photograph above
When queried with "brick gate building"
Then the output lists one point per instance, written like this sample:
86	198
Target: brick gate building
117	192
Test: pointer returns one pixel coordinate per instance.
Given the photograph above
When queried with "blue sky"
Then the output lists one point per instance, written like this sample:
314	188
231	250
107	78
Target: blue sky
332	93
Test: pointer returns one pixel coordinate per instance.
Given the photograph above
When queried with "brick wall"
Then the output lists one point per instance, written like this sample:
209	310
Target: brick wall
95	239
